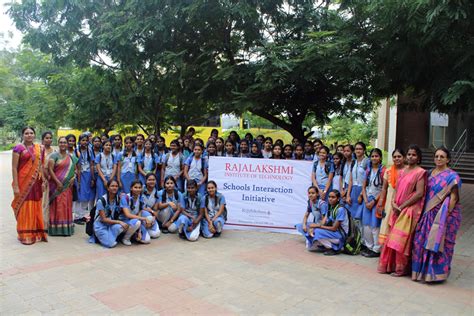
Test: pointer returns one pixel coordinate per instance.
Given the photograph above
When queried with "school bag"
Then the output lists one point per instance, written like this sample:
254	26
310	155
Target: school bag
206	202
92	216
167	157
132	205
353	239
163	196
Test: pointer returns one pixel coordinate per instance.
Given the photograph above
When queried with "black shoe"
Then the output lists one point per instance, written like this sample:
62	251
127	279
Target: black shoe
79	221
372	254
319	249
364	252
330	252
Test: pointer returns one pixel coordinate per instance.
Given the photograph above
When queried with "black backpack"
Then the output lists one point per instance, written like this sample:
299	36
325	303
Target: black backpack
353	239
93	215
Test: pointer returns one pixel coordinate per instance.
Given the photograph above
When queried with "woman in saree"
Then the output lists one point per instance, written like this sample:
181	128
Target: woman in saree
384	206
28	180
407	205
435	234
61	167
46	141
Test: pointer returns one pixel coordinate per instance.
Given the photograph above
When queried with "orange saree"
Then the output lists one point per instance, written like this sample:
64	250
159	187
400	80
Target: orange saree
27	206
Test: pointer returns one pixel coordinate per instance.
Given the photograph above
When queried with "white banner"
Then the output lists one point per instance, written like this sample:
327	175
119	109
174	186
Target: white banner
262	194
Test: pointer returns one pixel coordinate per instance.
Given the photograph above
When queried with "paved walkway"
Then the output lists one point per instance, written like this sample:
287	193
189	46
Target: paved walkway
239	273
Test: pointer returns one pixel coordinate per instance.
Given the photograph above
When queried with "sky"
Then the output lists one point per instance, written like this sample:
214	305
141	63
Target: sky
6	25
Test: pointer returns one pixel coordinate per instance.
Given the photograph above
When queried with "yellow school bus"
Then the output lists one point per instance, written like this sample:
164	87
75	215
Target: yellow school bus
224	123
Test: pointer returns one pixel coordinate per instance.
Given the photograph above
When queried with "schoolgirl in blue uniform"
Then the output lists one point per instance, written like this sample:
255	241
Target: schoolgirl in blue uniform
195	168
277	152
117	145
354	198
137	216
150	198
308	151
267	148
337	159
139	144
214	212
371	189
170	203
189	220
220	150
288	152
244	151
106	167
229	149
323	172
211	149
127	164
147	162
107	226
317	145
347	164
85	193
329	236
315	207
150	193
96	150
161	149
299	153
172	165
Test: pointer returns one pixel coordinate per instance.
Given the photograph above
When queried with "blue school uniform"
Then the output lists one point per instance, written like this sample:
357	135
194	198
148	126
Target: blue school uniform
191	206
128	170
308	157
373	189
358	176
316	209
106	165
85	192
136	207
196	171
172	164
96	174
107	234
336	179
150	198
148	163
322	177
176	197
336	238
212	207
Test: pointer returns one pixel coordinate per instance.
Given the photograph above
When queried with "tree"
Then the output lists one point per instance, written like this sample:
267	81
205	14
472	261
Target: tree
421	48
133	41
282	60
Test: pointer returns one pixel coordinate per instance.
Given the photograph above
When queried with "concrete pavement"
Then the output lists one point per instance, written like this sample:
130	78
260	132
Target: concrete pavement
244	273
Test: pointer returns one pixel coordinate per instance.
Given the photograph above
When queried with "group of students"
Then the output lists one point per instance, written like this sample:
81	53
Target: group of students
133	197
140	188
409	217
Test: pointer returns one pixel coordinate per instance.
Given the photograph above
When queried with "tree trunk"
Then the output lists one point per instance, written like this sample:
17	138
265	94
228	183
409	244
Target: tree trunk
294	128
183	129
157	127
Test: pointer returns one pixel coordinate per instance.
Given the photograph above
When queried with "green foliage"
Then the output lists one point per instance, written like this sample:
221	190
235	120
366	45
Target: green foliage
296	63
421	48
347	130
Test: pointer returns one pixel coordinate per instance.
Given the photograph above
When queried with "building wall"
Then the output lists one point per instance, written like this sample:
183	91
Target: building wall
413	127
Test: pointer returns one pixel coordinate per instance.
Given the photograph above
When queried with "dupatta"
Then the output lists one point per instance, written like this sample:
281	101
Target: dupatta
27	176
64	169
438	195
